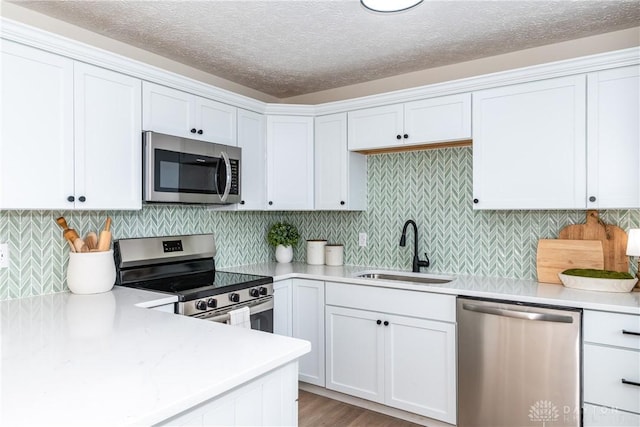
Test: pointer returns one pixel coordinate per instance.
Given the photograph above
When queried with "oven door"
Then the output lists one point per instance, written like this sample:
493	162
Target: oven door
261	314
188	171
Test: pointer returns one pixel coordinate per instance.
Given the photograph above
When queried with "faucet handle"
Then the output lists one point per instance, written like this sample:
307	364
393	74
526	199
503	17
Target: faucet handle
426	261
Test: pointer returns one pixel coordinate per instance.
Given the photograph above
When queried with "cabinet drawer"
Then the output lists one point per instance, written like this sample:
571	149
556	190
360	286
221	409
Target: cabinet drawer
607	328
604	369
601	416
394	301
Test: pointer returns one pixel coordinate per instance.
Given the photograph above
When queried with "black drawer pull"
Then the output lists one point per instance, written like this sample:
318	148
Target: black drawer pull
624	331
630	382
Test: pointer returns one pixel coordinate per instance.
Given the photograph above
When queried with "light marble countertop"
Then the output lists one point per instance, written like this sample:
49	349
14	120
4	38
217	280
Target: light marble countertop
104	359
528	291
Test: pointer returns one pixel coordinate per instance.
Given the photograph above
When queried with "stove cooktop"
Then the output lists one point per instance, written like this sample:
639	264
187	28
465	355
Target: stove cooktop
204	285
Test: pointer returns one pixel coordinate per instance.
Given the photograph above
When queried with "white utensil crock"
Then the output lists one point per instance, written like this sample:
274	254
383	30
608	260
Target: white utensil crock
91	272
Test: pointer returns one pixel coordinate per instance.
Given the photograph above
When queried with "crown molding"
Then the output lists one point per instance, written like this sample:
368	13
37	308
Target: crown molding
585	64
22	33
35	37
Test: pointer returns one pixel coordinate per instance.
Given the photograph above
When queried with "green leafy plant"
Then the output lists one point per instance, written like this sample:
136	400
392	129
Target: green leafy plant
283	233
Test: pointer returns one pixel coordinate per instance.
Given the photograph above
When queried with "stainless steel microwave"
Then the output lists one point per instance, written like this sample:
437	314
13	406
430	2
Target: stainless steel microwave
181	170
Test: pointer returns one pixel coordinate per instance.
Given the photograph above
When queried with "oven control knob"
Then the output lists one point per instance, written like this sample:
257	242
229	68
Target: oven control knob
234	297
254	293
201	305
212	303
263	290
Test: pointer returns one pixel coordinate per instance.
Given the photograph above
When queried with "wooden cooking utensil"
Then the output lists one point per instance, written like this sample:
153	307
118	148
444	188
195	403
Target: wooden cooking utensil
80	246
556	255
91	240
613	238
104	243
69	234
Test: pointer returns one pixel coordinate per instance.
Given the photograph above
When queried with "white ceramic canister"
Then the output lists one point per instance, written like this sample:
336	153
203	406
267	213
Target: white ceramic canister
315	251
91	272
334	254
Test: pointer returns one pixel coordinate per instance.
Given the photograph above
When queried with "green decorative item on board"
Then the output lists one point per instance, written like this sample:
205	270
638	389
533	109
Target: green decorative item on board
283	236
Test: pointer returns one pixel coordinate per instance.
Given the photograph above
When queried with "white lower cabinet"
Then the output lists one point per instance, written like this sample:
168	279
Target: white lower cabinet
401	361
308	324
611	369
282	308
271	400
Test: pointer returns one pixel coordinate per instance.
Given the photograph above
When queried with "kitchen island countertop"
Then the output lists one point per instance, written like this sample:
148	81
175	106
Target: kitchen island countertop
528	291
105	359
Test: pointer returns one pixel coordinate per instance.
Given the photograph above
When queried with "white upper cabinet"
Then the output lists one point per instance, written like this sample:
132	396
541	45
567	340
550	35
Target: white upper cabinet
613	139
447	118
108	139
340	175
87	161
36	149
173	112
251	139
529	145
289	163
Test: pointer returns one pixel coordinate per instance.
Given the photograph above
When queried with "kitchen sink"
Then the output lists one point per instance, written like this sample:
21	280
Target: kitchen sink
406	277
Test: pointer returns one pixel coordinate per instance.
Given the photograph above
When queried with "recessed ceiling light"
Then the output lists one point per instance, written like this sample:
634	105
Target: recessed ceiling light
389	5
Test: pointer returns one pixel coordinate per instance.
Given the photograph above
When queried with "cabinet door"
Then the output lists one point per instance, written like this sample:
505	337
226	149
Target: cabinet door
377	127
613	139
215	122
447	118
420	367
529	147
251	139
36	148
108	139
355	353
289	163
168	111
282	308
308	324
340	175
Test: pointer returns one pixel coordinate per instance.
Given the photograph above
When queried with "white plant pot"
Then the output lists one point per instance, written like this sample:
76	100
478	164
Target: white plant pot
284	254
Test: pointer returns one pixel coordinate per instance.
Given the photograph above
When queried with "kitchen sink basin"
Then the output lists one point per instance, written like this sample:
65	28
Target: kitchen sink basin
406	277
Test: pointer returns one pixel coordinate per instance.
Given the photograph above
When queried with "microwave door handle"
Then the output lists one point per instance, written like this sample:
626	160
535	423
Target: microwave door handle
227	187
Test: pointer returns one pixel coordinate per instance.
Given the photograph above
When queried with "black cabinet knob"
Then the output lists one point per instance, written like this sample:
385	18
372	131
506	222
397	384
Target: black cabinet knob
242	202
200	132
386	323
193	130
71	198
406	136
398	136
379	322
476	201
342	202
592	199
82	199
270	202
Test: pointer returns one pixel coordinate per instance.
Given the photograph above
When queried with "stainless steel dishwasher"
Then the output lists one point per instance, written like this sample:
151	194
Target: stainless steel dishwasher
518	364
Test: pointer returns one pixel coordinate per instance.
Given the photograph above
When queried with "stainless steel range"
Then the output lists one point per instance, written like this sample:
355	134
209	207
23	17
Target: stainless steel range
185	266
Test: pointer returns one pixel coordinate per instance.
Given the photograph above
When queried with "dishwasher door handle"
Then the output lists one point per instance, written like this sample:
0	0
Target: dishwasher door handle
526	315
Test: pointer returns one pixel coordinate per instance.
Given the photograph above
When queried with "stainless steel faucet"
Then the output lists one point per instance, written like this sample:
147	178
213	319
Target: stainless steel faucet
417	262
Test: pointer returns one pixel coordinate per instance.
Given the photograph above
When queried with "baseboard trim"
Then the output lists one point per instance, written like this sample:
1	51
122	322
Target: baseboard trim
372	406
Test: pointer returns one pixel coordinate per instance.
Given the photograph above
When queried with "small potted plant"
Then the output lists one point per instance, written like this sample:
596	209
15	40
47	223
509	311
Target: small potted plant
283	236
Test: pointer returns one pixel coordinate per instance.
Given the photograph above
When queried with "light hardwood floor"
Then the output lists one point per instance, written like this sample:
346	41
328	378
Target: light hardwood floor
315	411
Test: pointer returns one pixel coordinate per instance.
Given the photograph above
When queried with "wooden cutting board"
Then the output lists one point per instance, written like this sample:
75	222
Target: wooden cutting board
556	255
613	238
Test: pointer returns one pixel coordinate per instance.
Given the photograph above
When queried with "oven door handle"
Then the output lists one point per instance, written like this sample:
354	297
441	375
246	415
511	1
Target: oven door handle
253	309
227	166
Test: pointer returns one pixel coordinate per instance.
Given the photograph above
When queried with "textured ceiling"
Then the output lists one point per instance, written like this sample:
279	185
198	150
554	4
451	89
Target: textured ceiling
288	48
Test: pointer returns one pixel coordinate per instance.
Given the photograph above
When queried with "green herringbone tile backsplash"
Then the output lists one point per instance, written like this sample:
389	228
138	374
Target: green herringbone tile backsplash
431	187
